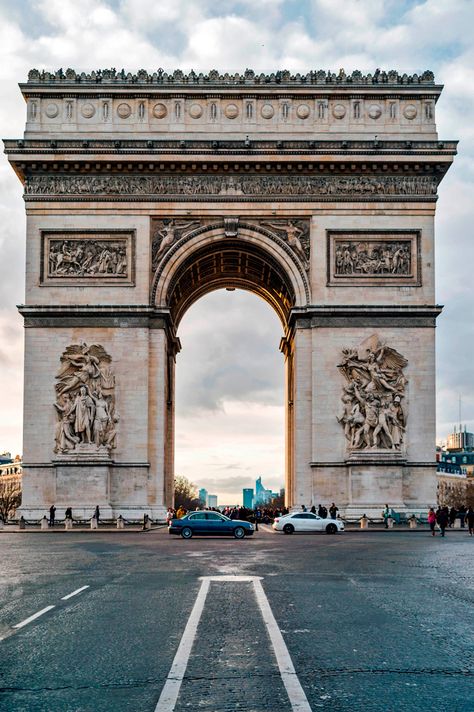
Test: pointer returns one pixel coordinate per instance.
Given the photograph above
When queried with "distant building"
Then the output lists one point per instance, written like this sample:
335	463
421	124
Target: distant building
11	473
262	495
203	496
460	440
247	498
456	462
212	500
5	457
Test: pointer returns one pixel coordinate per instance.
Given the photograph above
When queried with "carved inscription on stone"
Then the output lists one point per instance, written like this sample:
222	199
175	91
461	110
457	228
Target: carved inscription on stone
261	185
373	258
97	258
373	417
85	402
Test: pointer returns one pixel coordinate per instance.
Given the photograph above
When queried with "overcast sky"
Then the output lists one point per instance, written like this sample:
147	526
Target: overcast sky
230	412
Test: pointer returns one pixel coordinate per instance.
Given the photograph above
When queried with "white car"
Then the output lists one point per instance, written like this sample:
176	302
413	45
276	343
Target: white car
306	522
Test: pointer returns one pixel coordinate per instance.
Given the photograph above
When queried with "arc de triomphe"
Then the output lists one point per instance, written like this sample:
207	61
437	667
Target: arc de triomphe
144	192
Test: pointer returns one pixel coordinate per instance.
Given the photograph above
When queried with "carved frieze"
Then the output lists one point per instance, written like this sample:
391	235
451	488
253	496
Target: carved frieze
98	258
166	232
333	187
375	258
85	402
294	232
374	416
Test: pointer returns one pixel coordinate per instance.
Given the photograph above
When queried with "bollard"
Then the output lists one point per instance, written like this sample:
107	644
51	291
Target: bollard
1	523
120	522
390	521
44	524
412	523
364	522
94	523
68	523
22	522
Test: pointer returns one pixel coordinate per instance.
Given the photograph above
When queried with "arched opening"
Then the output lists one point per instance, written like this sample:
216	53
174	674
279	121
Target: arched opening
252	262
230	397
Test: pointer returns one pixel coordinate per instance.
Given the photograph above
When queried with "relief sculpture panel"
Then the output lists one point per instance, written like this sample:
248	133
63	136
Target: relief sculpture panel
97	258
374	416
374	258
85	402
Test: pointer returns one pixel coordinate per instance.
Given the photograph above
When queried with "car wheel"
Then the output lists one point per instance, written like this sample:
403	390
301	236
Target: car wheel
239	532
186	532
288	529
331	529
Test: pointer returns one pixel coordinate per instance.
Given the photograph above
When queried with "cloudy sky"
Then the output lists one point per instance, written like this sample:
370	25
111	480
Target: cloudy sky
230	412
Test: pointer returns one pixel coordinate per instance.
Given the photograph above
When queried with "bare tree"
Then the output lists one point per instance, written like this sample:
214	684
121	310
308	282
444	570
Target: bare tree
185	493
10	499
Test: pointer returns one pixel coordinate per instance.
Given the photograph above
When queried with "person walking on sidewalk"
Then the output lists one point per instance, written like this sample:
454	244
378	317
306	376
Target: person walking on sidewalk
442	519
52	514
432	520
470	520
333	510
97	513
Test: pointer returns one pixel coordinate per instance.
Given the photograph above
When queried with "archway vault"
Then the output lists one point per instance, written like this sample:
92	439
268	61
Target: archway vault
206	260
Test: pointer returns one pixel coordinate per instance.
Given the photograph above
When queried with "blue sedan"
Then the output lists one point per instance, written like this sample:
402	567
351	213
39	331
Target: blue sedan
209	523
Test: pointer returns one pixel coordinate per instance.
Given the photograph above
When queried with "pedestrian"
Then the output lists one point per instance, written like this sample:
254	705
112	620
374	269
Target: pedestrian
181	512
333	510
169	515
303	508
313	509
52	514
322	511
462	515
432	520
442	519
385	515
97	513
68	513
470	520
452	517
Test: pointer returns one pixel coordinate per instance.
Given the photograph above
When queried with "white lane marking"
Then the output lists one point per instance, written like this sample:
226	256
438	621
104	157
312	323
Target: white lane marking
170	692
298	700
33	617
74	593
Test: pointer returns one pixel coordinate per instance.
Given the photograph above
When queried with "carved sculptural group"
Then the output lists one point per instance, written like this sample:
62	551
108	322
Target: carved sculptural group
354	257
85	401
373	415
87	258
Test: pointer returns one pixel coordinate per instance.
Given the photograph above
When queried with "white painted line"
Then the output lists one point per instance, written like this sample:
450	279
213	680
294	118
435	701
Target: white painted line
74	593
298	700
33	617
170	692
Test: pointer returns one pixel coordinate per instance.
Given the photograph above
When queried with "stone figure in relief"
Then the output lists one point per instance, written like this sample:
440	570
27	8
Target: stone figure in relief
293	235
168	232
87	258
373	416
364	259
85	402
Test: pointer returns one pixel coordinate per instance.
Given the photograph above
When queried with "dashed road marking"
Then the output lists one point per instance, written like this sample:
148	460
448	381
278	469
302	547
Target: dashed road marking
33	617
170	692
74	593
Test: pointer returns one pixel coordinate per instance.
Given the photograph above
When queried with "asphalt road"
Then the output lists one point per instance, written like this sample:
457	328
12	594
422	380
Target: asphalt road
370	621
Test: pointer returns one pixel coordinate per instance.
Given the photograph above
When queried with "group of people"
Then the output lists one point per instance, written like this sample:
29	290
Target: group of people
445	518
68	514
259	515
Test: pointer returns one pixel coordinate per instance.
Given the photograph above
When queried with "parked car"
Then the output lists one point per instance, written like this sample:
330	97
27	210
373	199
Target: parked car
204	523
306	522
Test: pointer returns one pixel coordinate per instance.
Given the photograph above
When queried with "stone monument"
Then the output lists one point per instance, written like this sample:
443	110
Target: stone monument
145	191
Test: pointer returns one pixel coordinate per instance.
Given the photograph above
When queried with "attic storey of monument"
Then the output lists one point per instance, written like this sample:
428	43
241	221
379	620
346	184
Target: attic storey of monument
316	191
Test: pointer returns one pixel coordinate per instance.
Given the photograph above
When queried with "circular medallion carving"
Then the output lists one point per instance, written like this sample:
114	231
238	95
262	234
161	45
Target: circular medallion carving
124	110
195	111
339	111
267	111
159	111
375	112
231	111
88	111
51	111
409	112
303	111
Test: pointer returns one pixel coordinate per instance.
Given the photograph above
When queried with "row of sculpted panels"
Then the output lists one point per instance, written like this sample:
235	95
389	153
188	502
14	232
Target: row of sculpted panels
199	114
374	413
107	258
